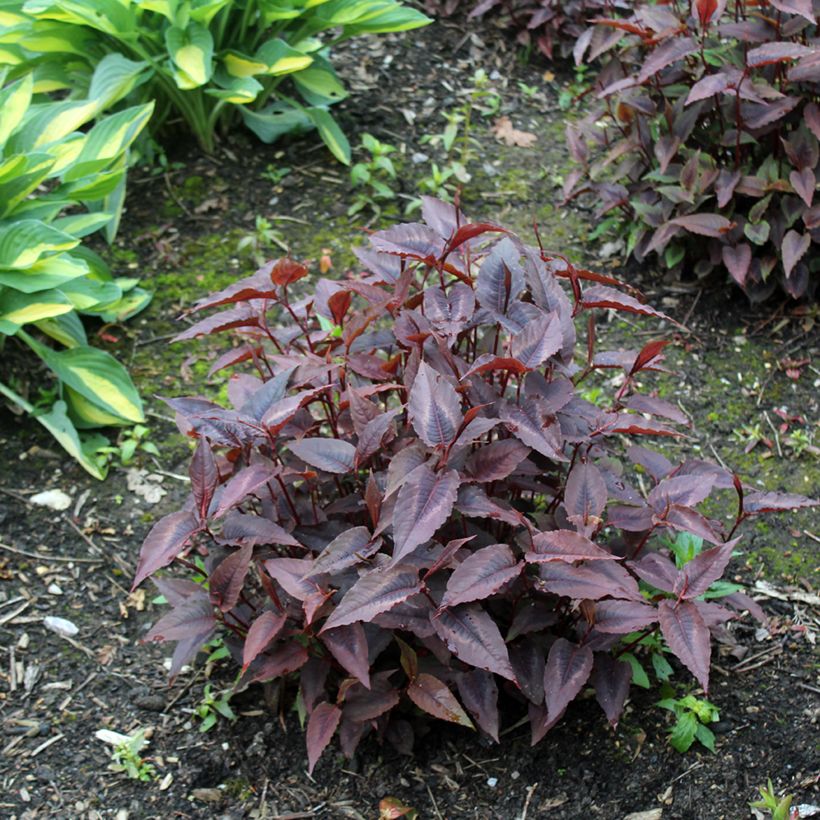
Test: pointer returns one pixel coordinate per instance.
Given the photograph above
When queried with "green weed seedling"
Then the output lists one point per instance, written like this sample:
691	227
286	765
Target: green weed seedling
211	707
691	718
372	178
126	758
263	237
131	441
780	808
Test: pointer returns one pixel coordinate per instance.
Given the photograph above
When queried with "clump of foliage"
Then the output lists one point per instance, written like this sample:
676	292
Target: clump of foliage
58	184
409	504
557	28
209	63
692	718
779	808
705	140
127	758
373	177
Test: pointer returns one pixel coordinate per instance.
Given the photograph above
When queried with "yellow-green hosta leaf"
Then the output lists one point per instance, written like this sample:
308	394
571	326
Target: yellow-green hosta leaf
167	8
19	176
52	76
56	421
192	51
11	17
87	415
50	272
87	294
12	55
92	187
65	152
113	17
114	78
98	377
203	11
397	18
23	243
14	102
136	300
60	38
47	122
24	308
109	138
319	84
240	65
236	90
331	134
280	58
67	329
81	225
275	120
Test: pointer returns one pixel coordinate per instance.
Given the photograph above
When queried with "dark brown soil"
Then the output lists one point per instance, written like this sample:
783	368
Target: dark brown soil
77	564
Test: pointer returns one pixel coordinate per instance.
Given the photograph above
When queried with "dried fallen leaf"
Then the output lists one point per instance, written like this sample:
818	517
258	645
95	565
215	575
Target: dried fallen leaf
505	132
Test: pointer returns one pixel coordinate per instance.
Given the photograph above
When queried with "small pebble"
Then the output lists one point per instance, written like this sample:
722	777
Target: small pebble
492	782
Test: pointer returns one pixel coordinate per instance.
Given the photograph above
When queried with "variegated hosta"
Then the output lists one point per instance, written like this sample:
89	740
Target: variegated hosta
409	503
703	140
49	165
208	61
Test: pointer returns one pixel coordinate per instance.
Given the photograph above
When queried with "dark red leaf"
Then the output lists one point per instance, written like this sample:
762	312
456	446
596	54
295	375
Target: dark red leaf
167	538
601	296
204	477
756	503
804	183
611	679
435	698
686	633
528	663
540	339
737	259
411	241
377	591
349	548
481	575
713	225
424	504
793	249
193	617
322	725
704	569
649	353
532	425
285	659
674	49
480	695
473	637
243	316
227	580
500	278
348	644
262	631
775	52
623	617
567	546
241	529
329	454
568	669
603	579
286	271
585	493
434	407
495	461
656	570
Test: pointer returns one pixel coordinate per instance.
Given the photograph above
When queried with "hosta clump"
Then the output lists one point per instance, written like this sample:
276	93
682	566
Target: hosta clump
409	505
705	139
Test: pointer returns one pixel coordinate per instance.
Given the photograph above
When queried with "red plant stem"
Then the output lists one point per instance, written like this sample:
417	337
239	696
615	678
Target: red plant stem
632	644
289	501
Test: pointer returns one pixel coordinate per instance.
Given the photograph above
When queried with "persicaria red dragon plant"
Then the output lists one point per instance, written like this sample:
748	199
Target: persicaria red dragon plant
410	505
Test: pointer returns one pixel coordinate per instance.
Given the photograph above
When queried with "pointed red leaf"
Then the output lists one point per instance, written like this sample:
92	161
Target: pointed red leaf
568	669
480	695
492	462
756	503
603	579
376	592
434	407
241	485
601	296
435	698
565	545
611	679
738	260
623	617
585	493
704	569
346	550
204	476
500	278
329	454
164	542
348	644
241	528
793	249
227	580
713	225
531	424
481	575
804	183
262	631
540	339
424	503
193	617
674	49
322	725
473	637
686	633
776	52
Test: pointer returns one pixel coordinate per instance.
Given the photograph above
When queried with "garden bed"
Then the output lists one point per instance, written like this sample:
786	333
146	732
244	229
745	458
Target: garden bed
181	236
